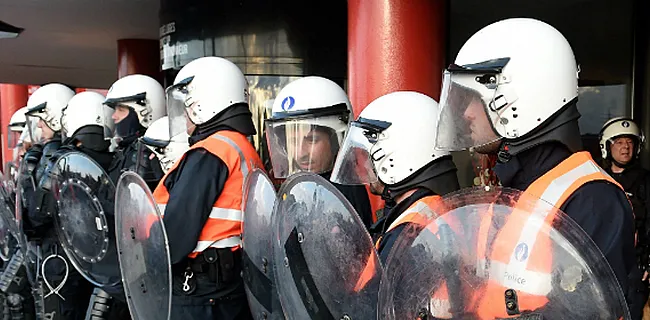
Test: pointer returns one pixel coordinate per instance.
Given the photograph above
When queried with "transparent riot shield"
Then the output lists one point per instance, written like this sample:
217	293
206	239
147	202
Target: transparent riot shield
498	254
257	261
84	220
326	266
143	250
11	237
25	190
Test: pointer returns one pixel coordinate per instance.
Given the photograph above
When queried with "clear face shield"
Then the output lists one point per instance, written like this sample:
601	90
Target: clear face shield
13	134
32	128
354	164
470	107
178	100
304	145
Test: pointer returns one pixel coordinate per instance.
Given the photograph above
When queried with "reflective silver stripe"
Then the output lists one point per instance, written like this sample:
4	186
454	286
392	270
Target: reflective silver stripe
161	208
242	159
216	213
226	214
419	207
511	276
440	308
560	185
224	243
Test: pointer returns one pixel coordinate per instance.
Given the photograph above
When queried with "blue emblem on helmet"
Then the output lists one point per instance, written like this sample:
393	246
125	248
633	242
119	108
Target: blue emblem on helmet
288	103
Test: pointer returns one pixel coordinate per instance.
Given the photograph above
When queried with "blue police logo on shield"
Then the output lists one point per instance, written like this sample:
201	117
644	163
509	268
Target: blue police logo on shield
288	103
521	252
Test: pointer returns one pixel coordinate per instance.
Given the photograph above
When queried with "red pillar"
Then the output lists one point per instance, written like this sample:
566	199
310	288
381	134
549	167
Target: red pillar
138	56
395	45
12	98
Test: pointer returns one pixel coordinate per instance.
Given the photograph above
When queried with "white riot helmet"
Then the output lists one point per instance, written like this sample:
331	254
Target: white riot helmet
84	110
508	79
142	94
202	89
168	151
308	123
46	103
390	140
619	127
16	125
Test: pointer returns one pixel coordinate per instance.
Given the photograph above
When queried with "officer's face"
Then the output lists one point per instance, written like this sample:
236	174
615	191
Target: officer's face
47	133
121	112
312	149
484	139
623	150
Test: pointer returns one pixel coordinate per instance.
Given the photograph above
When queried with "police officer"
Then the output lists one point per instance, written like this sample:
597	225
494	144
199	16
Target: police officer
620	145
70	300
138	101
15	128
17	124
309	119
512	91
86	122
43	124
390	148
209	99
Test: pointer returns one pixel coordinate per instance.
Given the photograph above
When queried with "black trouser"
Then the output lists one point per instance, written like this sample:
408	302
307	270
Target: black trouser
216	288
637	294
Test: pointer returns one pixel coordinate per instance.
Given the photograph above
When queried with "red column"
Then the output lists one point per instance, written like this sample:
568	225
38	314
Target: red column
12	98
395	45
141	56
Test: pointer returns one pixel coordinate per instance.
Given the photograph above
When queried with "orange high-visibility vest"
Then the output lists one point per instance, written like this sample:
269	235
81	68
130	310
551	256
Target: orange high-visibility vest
418	213
223	228
520	256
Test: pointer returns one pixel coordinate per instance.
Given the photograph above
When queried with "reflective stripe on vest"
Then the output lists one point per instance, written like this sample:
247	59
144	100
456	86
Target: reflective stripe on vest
520	257
439	304
217	213
224	225
417	213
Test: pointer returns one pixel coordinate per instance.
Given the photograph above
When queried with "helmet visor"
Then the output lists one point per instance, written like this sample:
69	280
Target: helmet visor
33	131
468	115
354	165
178	100
303	145
13	135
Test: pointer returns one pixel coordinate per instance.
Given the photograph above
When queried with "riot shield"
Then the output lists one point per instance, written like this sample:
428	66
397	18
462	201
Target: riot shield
259	198
84	219
498	254
325	264
25	190
143	249
11	238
